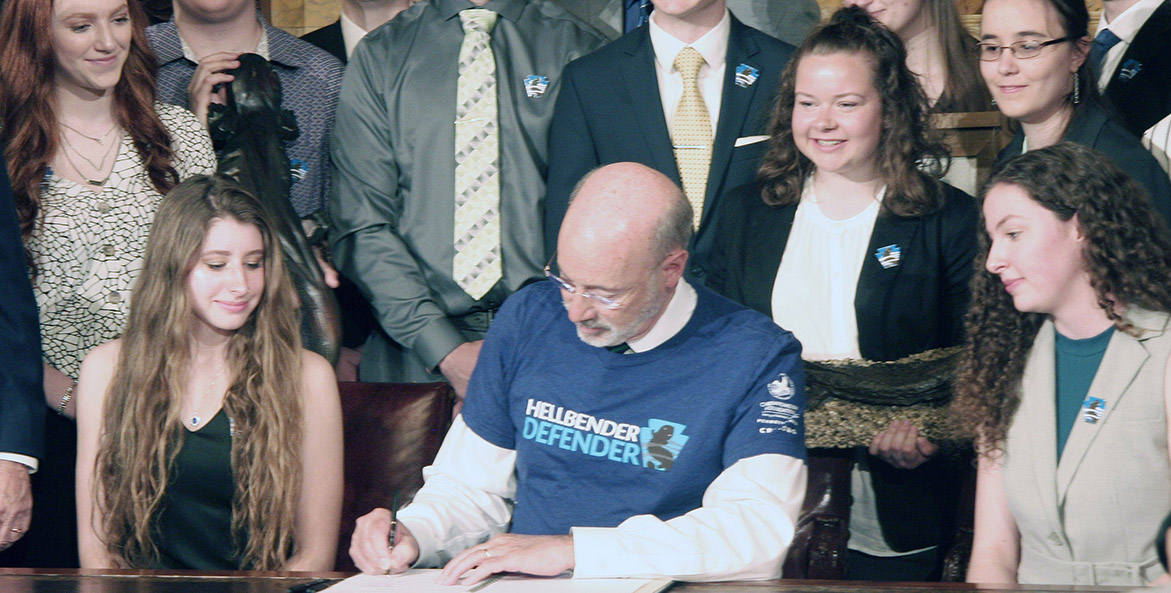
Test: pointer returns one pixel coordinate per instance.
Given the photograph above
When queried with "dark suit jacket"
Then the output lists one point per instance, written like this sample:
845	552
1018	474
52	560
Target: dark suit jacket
1140	89
609	111
1091	126
330	39
22	399
915	306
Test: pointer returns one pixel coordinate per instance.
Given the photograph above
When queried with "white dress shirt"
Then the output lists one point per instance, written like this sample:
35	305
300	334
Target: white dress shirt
713	46
351	34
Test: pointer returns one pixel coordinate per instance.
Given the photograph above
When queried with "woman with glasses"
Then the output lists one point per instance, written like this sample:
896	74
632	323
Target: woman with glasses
845	242
1065	381
1033	59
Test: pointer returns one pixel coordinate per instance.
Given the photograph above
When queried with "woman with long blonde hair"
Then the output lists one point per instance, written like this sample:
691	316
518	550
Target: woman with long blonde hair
207	437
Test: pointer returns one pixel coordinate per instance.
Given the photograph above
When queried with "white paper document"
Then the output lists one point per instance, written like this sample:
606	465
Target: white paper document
422	580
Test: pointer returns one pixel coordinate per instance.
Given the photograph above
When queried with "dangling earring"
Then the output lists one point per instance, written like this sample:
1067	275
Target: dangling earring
1077	95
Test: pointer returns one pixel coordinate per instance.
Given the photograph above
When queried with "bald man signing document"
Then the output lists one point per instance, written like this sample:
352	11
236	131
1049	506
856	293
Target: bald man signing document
619	422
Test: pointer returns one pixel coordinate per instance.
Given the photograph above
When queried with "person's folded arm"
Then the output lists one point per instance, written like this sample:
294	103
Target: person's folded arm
742	531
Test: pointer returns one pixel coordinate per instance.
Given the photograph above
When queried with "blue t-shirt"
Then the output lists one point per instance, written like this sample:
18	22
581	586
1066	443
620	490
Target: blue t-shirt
601	436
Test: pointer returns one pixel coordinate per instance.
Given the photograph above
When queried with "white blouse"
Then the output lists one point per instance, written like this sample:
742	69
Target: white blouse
88	247
813	294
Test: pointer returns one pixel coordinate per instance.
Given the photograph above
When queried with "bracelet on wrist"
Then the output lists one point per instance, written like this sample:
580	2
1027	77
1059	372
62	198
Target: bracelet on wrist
65	398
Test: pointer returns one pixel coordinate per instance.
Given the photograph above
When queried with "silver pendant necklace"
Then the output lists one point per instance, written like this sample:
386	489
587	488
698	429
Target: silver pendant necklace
195	417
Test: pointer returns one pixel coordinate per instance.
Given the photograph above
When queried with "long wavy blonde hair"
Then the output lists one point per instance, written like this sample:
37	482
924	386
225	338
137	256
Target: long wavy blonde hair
142	429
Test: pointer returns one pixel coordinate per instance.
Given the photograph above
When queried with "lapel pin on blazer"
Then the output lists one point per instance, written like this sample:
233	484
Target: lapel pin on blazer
746	75
1129	70
888	256
535	85
1092	409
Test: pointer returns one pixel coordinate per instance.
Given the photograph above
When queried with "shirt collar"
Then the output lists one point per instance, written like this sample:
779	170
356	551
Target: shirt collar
275	46
672	321
713	46
351	34
1132	19
261	48
509	9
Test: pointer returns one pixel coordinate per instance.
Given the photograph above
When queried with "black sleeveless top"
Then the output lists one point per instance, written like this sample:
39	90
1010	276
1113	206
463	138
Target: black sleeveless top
194	525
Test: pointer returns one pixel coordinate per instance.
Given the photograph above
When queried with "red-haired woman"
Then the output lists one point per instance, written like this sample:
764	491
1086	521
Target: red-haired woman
90	155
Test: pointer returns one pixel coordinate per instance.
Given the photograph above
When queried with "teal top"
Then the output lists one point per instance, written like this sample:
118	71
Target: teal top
194	526
1077	363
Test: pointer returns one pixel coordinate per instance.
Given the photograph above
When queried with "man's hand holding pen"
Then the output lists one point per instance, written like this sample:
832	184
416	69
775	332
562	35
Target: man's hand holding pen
369	546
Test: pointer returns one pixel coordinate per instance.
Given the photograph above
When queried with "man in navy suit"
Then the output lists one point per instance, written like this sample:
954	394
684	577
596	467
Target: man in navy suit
22	399
1134	42
620	104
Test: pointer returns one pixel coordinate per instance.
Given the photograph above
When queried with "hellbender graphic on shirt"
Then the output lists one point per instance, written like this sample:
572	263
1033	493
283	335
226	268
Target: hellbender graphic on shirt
656	445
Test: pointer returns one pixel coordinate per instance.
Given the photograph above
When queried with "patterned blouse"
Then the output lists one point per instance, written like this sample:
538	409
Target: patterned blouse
89	246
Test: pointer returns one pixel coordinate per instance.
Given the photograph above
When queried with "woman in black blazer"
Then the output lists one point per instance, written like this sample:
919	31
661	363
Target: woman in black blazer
843	213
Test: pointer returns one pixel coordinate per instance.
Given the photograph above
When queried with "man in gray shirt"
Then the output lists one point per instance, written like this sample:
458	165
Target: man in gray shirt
397	174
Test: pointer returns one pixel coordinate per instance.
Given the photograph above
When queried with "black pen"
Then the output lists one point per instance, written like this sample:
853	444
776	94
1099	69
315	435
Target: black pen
393	518
312	586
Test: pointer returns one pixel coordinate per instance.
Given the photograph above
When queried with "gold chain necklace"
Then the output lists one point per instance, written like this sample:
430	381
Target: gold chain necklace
99	140
96	182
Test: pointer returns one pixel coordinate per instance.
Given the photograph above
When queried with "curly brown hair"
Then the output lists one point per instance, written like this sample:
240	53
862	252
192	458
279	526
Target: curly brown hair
905	145
28	112
1127	255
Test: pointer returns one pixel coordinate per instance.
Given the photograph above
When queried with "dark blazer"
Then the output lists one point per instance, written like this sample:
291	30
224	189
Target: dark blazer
609	111
1140	89
915	306
330	39
22	399
1091	126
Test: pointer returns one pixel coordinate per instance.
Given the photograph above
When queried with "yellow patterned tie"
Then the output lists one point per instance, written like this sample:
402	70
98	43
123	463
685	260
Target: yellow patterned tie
693	132
476	266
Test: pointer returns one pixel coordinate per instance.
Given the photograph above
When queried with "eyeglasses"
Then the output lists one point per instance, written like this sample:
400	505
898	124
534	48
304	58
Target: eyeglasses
1021	50
605	302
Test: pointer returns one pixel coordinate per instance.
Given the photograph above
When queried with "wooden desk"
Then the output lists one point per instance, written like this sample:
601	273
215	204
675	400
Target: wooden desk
23	580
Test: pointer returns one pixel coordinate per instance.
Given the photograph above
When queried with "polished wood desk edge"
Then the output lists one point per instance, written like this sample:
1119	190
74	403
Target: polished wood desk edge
191	574
777	586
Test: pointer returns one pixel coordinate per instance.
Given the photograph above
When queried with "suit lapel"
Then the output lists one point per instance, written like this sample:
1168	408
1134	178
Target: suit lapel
642	88
1124	357
734	109
1151	41
1038	409
768	237
875	282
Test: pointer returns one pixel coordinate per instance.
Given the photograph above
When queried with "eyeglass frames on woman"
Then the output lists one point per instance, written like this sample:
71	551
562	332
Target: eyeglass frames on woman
604	302
1021	50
